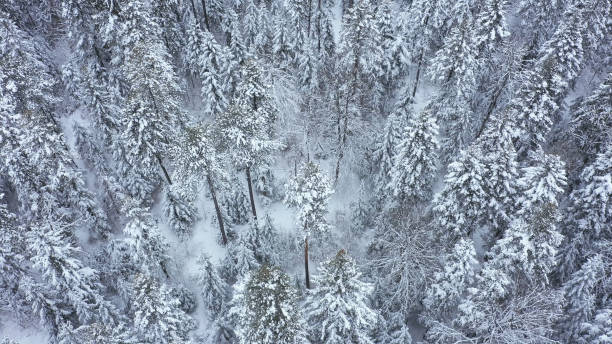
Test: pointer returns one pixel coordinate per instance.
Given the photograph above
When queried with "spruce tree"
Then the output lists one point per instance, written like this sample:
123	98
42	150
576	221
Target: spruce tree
207	60
266	308
541	183
457	275
589	212
460	202
157	316
415	165
491	24
337	309
214	290
309	192
240	259
248	124
148	247
387	147
152	106
180	211
591	125
198	162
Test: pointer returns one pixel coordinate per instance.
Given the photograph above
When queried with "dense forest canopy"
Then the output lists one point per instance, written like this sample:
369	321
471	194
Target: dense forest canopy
318	171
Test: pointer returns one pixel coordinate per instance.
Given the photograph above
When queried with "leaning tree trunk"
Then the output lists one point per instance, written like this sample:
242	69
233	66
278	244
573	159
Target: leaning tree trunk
306	263
213	194
161	164
251	197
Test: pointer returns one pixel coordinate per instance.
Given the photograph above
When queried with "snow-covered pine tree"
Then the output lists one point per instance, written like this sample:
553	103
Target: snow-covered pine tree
263	240
480	187
591	125
247	125
362	211
537	100
456	123
207	61
387	147
491	24
580	296
240	259
598	330
281	40
326	43
67	279
198	162
266	308
157	316
458	273
36	159
359	91
12	248
336	308
148	247
518	264
94	155
415	165
152	107
180	211
500	174
398	329
527	253
254	26
309	191
96	333
460	202
235	204
589	214
214	289
543	14
385	25
455	64
542	183
86	75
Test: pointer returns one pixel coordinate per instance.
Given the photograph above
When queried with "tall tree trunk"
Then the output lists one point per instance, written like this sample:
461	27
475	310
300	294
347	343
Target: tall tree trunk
319	15
418	74
251	197
213	194
161	164
205	14
492	106
342	131
341	149
309	16
306	263
499	91
195	13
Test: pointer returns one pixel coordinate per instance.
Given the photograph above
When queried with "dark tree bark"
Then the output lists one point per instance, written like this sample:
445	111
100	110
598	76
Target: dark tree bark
319	14
161	164
251	197
195	13
309	16
418	74
205	14
213	194
492	105
306	263
342	131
